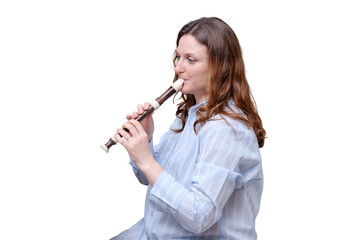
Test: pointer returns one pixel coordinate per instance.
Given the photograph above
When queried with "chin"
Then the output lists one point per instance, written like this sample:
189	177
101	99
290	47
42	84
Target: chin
185	90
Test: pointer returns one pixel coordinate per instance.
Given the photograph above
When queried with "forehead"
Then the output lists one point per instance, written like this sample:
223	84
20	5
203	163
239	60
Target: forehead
189	45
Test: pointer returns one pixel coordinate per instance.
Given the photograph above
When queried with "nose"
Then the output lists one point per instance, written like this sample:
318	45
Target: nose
179	68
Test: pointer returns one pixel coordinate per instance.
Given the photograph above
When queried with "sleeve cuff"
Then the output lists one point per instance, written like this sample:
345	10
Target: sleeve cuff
167	190
151	144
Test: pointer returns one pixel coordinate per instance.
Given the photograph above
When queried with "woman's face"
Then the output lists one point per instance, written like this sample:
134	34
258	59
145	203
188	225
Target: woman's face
192	65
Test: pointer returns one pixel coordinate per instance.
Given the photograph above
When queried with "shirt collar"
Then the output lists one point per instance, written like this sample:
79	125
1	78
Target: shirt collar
197	106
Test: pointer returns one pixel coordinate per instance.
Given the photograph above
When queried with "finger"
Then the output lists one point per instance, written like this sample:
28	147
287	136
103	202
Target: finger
130	126
117	137
140	130
124	134
140	109
134	115
146	106
123	142
128	117
120	140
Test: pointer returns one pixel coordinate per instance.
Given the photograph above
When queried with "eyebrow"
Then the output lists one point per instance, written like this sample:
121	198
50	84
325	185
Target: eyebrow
186	54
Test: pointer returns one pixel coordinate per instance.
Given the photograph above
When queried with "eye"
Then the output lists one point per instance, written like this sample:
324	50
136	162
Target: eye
191	60
176	59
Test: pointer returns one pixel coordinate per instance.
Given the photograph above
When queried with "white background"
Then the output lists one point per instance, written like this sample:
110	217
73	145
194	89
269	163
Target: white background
71	70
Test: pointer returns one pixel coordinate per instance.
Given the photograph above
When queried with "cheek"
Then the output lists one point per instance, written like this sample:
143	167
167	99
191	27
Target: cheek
200	74
203	77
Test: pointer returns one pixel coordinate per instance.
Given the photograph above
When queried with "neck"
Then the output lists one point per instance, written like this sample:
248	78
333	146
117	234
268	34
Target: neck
200	99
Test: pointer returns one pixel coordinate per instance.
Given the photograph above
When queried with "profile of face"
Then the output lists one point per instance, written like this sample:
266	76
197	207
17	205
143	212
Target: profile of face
192	65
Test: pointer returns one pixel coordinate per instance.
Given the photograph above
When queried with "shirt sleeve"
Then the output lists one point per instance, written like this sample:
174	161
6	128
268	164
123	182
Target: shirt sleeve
224	153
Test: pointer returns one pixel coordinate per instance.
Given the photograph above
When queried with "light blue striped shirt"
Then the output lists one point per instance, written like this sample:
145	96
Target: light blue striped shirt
211	185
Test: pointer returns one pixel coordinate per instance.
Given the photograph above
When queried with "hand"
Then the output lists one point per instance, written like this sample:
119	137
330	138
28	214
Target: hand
135	142
137	145
147	123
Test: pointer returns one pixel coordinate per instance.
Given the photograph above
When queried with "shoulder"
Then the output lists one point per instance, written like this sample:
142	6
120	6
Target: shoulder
221	122
227	133
226	125
229	143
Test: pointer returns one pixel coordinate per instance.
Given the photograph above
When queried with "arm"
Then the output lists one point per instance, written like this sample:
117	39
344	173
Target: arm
140	176
148	126
136	143
223	154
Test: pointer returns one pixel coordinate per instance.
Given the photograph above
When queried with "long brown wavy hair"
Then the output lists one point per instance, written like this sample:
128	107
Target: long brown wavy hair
226	79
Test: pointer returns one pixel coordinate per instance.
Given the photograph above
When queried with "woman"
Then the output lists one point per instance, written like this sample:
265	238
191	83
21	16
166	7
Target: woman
205	176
